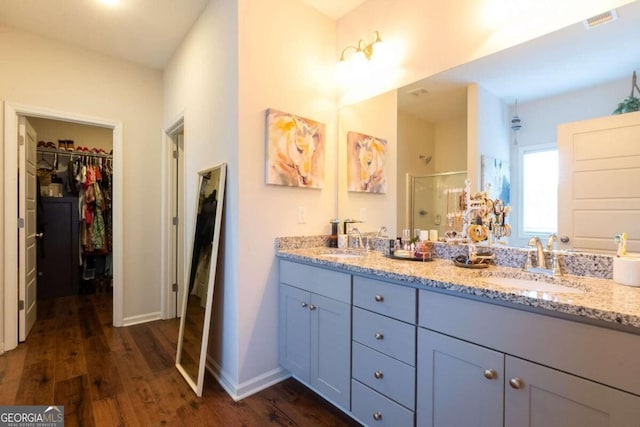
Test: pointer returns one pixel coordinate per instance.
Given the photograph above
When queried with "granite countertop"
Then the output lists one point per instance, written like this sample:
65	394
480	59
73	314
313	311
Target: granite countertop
603	299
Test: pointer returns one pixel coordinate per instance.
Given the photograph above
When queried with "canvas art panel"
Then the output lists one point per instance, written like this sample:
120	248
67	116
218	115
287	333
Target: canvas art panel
295	150
496	172
366	157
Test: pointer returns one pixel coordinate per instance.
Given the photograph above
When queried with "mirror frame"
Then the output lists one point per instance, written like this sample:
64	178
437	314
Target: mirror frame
197	383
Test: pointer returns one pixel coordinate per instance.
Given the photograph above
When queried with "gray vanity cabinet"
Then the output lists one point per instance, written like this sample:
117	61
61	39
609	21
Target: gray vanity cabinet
315	329
384	353
460	382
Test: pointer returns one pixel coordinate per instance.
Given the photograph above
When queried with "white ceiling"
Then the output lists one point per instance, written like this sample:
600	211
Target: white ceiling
334	8
142	31
569	59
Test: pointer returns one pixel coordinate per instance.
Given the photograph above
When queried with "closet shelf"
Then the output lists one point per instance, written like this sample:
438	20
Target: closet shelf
74	153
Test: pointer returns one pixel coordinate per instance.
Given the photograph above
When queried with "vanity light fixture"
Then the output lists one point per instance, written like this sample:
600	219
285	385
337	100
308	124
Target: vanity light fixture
362	50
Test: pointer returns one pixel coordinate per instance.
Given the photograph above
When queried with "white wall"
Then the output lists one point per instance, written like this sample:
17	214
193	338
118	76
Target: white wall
81	135
415	138
201	84
238	60
286	61
40	73
450	152
376	117
491	133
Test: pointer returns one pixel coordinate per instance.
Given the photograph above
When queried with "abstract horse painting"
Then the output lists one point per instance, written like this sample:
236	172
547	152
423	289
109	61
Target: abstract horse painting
365	163
295	150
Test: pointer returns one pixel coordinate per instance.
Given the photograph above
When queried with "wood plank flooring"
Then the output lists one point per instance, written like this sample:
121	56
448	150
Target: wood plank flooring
106	376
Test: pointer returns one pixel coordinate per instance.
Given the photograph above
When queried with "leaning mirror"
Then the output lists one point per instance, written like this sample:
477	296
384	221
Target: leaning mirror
198	296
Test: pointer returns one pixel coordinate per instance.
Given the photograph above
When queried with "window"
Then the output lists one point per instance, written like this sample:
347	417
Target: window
539	195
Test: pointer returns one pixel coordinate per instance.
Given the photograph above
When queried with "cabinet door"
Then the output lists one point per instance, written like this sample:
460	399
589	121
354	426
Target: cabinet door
538	396
58	274
331	349
294	331
458	384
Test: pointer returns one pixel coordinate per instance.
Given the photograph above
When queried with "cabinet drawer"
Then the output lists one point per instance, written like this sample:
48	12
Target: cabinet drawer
321	281
373	409
388	336
384	374
385	298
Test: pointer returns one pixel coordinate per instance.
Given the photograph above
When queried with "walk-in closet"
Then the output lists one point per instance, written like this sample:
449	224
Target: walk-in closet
74	218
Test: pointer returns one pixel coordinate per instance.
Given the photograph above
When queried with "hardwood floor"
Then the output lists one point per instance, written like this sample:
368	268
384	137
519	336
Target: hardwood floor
107	376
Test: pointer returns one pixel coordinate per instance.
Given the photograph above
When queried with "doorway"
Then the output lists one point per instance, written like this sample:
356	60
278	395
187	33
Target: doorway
12	113
75	171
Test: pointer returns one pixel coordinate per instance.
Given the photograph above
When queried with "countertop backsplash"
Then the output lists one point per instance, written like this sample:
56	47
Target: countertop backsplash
573	263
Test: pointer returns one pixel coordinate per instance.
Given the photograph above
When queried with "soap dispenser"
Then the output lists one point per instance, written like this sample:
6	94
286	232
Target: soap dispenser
333	239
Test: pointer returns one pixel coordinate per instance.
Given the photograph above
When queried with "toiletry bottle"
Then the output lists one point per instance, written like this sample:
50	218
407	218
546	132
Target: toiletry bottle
333	238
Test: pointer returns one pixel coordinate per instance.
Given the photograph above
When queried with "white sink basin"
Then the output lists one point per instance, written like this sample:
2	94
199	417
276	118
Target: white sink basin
531	285
342	256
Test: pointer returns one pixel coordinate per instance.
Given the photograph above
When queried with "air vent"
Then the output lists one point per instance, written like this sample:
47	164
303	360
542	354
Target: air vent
603	18
418	92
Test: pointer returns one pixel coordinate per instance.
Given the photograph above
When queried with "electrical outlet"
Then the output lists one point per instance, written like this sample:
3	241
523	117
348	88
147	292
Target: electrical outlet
302	215
363	214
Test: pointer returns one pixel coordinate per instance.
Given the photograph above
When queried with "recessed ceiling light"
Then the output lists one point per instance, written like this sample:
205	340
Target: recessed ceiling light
110	2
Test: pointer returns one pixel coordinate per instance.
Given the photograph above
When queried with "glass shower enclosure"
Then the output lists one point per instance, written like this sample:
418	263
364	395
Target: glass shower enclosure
433	200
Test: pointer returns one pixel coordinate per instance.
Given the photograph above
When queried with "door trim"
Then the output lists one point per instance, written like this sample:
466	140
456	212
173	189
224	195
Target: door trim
168	299
11	113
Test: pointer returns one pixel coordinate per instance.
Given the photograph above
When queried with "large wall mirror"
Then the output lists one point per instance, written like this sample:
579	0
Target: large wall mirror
198	296
446	122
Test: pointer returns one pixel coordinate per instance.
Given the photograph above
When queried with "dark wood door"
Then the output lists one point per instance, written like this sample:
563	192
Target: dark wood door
58	272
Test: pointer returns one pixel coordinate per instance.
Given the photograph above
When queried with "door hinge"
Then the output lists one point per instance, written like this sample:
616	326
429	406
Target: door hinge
20	222
175	154
175	220
21	305
174	287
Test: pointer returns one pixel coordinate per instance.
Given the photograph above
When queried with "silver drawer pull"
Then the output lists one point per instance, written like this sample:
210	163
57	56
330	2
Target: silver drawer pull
378	375
312	307
490	374
379	298
377	415
379	336
305	305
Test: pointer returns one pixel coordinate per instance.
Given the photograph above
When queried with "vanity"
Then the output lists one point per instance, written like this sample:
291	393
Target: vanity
404	343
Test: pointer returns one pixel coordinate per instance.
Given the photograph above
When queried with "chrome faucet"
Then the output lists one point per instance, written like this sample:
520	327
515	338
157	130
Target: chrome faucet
355	231
541	265
381	230
540	257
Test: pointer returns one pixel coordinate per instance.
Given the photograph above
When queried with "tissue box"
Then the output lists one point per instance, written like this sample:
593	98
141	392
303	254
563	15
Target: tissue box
626	270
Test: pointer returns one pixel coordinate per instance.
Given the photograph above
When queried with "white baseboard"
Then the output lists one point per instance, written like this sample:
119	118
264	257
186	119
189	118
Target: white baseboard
247	388
142	318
